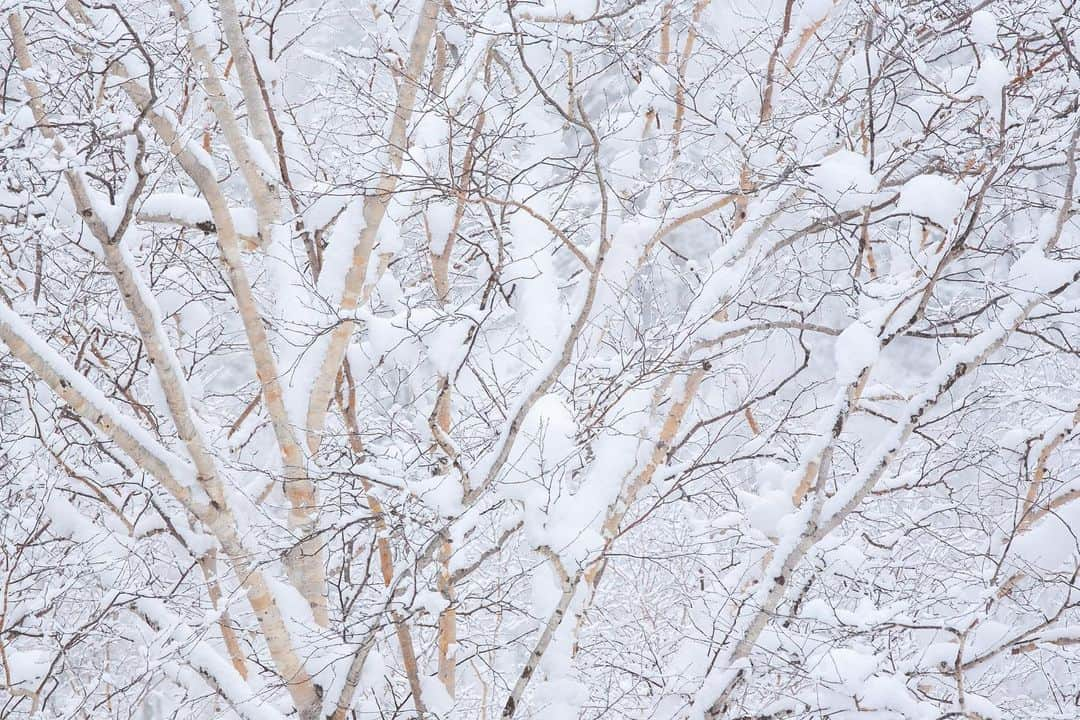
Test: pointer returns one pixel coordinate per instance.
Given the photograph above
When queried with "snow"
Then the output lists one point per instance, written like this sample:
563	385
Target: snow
299	350
27	668
546	590
990	80
261	158
856	349
983	707
844	180
961	358
337	257
933	197
938	654
201	156
766	512
442	493
552	417
390	340
112	549
245	221
572	525
432	602
388	241
186	209
374	669
446	344
203	25
576	9
435	696
294	608
192	317
440	217
1048	546
814	10
721	578
536	296
1036	273
812	132
546	446
193	211
890	692
983	28
848	667
324	209
109	214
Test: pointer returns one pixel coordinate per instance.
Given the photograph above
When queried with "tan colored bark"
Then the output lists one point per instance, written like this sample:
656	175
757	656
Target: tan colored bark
139	307
216	516
386	568
495	460
438	69
440	262
305	564
690	216
218	520
208	565
1063	214
352	680
617	511
746	179
375	206
770	71
287	661
652	118
447	622
752	422
742	200
262	193
804	38
672	422
805	483
156	461
1030	514
866	249
664	55
257	111
680	80
440	421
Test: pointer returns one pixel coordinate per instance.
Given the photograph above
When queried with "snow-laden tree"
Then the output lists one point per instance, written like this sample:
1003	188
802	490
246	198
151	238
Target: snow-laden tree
615	359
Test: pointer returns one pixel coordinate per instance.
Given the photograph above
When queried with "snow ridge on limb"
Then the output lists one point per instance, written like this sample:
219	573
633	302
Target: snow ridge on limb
645	397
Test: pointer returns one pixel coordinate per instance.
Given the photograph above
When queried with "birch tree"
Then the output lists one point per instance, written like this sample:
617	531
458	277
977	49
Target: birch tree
675	359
